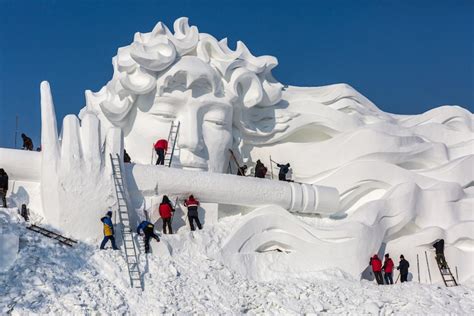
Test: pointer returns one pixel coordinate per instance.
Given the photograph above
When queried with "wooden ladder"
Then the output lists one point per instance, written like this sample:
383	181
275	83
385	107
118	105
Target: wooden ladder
45	232
446	275
129	243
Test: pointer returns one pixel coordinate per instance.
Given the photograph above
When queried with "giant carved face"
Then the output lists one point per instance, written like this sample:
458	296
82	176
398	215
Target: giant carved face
192	78
189	92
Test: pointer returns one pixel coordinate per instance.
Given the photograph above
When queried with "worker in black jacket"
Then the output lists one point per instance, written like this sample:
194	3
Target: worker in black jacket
440	259
27	142
3	186
284	168
403	268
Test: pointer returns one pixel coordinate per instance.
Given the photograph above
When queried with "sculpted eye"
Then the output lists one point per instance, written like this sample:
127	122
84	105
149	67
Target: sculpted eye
217	122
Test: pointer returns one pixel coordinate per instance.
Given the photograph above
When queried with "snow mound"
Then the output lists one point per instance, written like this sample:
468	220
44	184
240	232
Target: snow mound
52	278
9	238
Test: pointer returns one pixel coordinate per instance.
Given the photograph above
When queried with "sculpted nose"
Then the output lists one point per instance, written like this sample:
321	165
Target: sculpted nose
190	133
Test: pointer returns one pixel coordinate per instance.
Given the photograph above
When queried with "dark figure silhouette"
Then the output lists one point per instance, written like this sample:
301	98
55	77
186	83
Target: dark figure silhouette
27	142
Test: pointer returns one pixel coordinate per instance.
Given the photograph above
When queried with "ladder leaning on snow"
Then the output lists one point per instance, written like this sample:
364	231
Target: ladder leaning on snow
45	232
129	245
172	138
446	274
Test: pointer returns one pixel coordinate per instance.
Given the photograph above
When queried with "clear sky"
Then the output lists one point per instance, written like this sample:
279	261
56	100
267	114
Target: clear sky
406	56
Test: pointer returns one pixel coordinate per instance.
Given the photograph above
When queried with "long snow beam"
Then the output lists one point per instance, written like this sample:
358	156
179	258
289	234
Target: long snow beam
21	165
234	190
209	187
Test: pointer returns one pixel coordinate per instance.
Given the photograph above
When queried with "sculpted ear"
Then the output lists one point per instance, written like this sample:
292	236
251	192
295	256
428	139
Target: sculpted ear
246	87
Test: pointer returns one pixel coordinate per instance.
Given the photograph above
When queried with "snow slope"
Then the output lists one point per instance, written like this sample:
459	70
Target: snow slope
51	278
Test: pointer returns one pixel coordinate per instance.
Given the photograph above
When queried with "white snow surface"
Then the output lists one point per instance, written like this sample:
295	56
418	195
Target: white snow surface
9	240
51	278
403	182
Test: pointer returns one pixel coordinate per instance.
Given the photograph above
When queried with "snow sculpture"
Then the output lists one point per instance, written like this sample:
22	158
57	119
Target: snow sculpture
195	79
74	179
404	181
210	187
385	166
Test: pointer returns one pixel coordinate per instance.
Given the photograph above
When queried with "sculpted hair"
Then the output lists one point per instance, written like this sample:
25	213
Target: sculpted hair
149	65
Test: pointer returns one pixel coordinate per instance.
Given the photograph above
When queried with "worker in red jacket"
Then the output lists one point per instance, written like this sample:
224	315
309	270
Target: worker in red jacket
192	204
161	146
377	268
388	269
166	213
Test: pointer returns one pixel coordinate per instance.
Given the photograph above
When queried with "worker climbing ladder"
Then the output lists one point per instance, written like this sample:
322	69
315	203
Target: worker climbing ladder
446	274
172	138
129	243
45	232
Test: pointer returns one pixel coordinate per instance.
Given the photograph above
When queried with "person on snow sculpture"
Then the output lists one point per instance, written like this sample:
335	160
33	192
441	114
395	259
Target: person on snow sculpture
260	169
403	266
388	269
24	212
126	157
27	142
108	231
166	212
439	248
3	186
284	168
192	204
241	171
161	146
148	233
377	268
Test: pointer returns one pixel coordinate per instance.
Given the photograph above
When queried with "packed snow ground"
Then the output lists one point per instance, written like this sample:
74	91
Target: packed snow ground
49	277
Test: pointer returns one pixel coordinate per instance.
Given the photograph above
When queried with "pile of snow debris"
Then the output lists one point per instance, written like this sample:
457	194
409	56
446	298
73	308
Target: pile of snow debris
9	239
48	277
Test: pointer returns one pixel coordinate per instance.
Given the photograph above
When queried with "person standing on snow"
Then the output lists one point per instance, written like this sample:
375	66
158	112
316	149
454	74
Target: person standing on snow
388	269
161	146
440	259
377	268
148	233
192	204
3	186
24	212
166	211
260	169
108	231
27	142
403	267
284	168
126	157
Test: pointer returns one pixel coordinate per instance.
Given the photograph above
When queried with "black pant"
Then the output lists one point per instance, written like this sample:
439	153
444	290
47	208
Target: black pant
195	218
24	214
388	278
441	260
106	239
282	176
378	277
403	277
161	156
3	195
167	222
147	238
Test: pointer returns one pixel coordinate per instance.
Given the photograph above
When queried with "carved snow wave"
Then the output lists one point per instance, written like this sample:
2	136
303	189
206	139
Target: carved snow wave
404	182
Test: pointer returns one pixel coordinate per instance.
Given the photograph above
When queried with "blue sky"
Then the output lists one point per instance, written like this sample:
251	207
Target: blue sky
406	56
